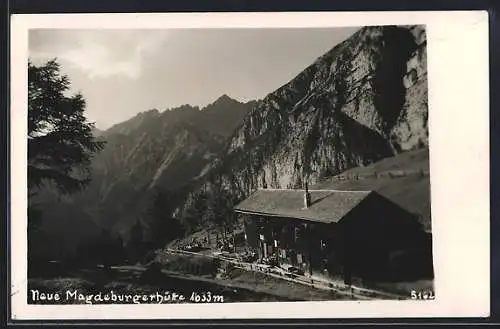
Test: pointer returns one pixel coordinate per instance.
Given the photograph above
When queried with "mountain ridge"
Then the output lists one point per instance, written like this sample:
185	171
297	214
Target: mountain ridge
364	100
152	148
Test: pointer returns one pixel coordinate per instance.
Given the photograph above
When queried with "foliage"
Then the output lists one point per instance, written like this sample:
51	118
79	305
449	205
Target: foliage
135	247
163	226
60	139
210	206
105	249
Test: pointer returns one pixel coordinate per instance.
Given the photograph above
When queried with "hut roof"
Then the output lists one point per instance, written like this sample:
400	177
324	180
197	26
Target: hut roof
327	206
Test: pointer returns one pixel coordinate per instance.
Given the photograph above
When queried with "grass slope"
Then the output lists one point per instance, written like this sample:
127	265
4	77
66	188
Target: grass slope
403	179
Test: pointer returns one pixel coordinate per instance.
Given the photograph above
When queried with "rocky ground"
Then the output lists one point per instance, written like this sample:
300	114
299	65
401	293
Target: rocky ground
238	286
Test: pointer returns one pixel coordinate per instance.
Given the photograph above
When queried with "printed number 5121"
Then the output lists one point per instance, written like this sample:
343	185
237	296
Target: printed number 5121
426	294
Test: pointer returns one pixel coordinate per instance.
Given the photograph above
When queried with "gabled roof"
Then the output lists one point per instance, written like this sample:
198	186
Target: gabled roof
327	206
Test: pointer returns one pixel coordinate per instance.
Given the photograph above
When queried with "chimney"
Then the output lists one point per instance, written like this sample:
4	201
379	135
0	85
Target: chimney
307	198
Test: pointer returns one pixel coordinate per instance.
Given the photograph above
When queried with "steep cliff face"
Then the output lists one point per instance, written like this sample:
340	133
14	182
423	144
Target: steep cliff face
364	100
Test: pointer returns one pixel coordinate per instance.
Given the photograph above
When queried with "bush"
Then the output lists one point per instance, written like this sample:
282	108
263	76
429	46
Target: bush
193	265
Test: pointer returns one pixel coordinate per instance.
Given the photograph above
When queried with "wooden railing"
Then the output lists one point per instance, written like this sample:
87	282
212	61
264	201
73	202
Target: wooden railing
314	282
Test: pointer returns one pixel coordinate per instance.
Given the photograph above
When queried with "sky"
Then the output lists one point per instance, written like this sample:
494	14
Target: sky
123	72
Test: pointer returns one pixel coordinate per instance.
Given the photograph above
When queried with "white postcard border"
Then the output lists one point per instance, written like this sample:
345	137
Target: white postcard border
459	164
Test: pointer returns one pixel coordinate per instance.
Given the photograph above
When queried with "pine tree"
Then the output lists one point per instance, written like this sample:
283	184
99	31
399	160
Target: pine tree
135	245
209	214
163	226
60	139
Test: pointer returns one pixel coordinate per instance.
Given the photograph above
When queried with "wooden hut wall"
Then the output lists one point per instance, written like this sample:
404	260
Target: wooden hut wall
250	225
370	240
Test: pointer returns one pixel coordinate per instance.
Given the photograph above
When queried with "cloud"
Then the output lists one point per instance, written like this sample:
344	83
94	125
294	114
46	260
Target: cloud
122	72
98	53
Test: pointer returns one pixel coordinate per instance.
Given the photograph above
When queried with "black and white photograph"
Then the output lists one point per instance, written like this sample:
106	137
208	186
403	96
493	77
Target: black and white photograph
229	165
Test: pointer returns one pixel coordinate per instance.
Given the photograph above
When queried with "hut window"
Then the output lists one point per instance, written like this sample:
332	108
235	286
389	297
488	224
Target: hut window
297	234
322	244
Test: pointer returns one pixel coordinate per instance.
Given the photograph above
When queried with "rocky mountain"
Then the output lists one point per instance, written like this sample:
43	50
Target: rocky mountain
222	117
364	100
160	149
152	150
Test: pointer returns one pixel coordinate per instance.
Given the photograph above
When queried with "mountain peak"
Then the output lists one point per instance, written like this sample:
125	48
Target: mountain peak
225	99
